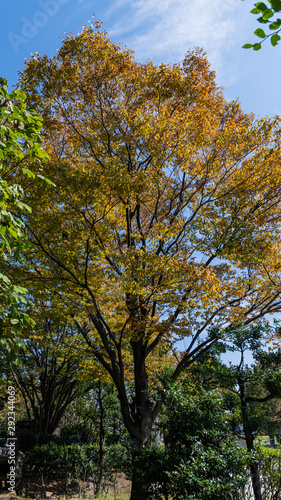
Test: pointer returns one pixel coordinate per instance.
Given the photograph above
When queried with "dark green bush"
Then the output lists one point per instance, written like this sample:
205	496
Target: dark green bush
270	470
119	458
198	459
77	462
67	462
27	439
75	434
212	474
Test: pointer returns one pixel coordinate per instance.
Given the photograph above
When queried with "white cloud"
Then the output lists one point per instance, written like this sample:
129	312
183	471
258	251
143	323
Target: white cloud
163	30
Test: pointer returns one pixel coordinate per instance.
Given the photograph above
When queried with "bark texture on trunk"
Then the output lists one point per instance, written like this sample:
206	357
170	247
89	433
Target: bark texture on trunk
143	413
101	441
255	475
249	437
138	491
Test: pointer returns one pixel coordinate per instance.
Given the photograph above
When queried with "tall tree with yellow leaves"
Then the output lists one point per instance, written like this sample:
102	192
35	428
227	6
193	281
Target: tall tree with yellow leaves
165	219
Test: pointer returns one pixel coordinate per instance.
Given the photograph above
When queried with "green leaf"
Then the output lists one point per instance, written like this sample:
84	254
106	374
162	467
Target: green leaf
267	14
19	289
275	4
261	6
275	39
247	46
14	321
13	232
275	25
255	11
40	153
259	32
4	278
3	230
28	173
256	46
19	298
24	207
45	182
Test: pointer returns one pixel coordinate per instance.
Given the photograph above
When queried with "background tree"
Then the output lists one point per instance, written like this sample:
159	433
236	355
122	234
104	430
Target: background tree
166	215
249	388
48	377
99	410
55	367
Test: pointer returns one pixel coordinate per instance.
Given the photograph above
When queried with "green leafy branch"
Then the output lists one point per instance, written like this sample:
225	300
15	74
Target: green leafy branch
266	13
19	140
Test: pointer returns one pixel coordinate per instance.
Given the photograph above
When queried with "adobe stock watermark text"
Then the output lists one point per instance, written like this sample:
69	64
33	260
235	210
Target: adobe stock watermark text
31	26
11	440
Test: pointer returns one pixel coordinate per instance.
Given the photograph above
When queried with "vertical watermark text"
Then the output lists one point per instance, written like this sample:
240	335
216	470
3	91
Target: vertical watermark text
11	440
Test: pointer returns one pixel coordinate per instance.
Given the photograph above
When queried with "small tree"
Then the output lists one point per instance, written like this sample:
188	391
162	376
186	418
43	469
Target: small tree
100	410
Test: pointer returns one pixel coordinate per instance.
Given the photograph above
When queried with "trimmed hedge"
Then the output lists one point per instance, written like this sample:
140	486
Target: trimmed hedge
270	471
68	462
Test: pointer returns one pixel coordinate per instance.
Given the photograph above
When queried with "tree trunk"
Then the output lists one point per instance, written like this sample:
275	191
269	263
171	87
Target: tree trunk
255	475
101	442
138	491
144	413
140	432
249	437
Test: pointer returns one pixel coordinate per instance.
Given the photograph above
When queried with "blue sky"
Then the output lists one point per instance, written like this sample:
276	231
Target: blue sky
160	30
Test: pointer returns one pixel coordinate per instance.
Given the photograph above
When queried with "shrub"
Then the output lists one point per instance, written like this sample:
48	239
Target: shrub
76	462
270	469
199	460
72	434
68	462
